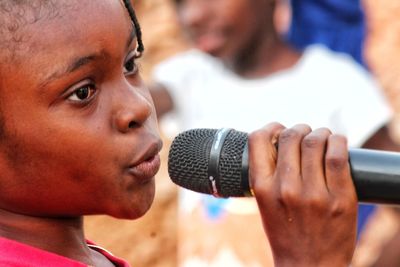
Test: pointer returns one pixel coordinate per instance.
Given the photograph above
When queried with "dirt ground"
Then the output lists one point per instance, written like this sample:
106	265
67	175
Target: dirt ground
152	240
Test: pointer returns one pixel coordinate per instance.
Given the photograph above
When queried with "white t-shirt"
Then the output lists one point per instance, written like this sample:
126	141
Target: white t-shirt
323	90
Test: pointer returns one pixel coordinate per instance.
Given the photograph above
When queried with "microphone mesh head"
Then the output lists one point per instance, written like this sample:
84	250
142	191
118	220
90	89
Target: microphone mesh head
189	157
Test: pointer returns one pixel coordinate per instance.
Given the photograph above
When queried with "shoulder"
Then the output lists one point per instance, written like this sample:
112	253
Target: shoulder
330	59
337	67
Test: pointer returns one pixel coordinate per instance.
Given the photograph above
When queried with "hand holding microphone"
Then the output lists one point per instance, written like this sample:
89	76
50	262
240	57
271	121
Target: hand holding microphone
215	162
305	193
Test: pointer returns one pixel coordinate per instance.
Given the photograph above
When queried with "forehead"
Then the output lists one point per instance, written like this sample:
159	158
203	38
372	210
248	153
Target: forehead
72	28
31	25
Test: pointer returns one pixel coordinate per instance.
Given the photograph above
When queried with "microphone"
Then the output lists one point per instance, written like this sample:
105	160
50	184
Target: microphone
215	161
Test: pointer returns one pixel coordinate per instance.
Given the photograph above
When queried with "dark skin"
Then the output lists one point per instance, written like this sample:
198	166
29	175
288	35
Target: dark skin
80	137
80	132
309	182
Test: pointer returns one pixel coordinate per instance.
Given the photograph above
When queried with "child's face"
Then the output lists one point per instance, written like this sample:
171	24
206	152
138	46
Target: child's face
80	133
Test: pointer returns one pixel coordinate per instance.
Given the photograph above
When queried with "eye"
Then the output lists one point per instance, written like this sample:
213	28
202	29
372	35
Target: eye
83	93
130	66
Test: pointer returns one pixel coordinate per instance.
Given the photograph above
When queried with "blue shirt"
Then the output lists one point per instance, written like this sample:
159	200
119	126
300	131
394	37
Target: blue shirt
338	24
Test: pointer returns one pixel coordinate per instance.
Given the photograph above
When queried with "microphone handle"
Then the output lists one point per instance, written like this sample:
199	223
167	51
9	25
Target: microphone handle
376	175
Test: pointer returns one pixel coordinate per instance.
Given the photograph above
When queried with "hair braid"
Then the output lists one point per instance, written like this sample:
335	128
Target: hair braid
135	21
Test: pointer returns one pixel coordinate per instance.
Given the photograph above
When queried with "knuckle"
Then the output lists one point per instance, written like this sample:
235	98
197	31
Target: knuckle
312	141
337	209
267	131
324	130
288	135
275	125
289	197
344	206
260	134
259	187
340	137
336	163
303	127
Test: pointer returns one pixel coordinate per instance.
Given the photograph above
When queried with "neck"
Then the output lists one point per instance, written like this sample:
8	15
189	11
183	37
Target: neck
265	58
62	236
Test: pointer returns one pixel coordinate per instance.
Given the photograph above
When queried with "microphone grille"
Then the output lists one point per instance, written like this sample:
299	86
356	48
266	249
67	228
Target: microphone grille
189	157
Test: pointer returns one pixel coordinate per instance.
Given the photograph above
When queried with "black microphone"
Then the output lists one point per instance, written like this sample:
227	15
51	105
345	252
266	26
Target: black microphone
215	161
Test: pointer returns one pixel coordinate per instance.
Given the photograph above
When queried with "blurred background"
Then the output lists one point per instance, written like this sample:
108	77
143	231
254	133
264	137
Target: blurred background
153	241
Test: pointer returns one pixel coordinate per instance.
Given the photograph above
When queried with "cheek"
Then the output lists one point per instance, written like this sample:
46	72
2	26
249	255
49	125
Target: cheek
233	12
53	147
59	153
54	178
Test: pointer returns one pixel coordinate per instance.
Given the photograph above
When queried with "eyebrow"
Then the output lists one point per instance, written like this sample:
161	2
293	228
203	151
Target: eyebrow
73	66
80	62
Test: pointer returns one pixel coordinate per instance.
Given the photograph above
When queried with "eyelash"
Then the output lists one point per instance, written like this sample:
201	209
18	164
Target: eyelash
90	93
130	63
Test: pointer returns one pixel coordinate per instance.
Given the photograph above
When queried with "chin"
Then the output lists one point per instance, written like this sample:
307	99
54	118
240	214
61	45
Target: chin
143	209
133	212
221	55
212	52
138	209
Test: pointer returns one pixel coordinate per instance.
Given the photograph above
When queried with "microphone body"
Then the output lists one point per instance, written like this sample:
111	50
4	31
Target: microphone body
215	161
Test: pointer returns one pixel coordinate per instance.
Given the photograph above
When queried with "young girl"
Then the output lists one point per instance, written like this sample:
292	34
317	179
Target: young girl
79	136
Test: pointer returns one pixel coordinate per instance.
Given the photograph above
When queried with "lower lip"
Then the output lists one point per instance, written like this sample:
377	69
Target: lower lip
147	169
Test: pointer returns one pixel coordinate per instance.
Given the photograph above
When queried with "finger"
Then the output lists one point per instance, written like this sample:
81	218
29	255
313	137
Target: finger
313	150
288	168
289	155
262	154
337	166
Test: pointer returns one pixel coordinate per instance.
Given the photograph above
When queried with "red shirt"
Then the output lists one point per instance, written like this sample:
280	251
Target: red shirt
15	254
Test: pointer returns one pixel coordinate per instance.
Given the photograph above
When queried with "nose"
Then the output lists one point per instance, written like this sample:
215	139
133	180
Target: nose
132	108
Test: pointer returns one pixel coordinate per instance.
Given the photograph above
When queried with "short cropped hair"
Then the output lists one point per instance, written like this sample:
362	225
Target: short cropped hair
16	13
